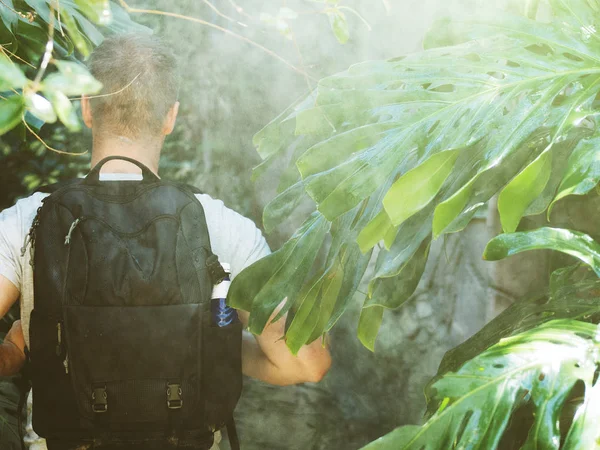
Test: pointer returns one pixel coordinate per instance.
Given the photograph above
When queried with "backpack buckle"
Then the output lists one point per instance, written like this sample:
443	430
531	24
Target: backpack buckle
99	400
215	269
174	396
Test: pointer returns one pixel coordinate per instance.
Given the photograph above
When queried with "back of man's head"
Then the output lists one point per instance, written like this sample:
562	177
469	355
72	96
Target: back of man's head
140	85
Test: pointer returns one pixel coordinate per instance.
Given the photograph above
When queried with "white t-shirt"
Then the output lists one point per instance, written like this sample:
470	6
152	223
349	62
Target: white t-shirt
234	238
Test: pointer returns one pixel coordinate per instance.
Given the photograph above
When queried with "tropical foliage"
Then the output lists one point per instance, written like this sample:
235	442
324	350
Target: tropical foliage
393	154
403	151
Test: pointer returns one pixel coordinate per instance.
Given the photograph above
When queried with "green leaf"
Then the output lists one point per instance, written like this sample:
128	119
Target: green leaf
339	25
369	324
9	17
583	170
40	107
414	190
64	110
396	279
523	190
573	243
537	367
376	230
329	296
75	34
306	317
11	76
278	209
72	79
11	112
98	11
261	287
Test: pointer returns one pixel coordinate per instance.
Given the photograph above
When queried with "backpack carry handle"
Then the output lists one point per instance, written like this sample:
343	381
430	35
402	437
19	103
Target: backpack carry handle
94	176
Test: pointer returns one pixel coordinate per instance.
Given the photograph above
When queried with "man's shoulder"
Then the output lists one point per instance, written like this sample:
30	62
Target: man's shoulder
215	208
26	205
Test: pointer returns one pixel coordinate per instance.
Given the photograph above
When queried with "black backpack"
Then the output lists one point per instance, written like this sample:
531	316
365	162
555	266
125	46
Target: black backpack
123	351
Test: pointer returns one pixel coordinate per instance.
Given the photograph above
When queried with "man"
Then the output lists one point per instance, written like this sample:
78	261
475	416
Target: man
136	110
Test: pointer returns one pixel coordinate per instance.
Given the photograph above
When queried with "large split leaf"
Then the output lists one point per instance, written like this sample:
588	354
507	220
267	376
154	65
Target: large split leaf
497	106
538	367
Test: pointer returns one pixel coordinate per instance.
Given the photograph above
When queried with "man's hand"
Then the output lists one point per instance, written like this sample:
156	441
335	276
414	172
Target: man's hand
12	351
267	357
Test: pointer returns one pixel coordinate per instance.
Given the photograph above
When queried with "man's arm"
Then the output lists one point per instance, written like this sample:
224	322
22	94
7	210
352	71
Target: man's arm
12	350
267	357
8	295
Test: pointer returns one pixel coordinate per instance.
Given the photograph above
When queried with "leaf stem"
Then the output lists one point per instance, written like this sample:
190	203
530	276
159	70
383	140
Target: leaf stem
60	152
219	13
49	49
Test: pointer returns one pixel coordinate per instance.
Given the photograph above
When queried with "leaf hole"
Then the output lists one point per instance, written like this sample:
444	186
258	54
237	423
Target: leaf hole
540	49
497	75
596	374
573	57
570	407
498	366
433	127
512	64
463	425
474	57
395	85
519	424
426	85
444	88
542	376
397	58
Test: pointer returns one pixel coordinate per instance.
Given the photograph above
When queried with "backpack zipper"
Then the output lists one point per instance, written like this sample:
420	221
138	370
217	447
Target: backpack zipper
30	238
60	347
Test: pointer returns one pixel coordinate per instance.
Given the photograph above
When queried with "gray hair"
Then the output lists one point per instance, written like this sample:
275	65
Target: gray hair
140	84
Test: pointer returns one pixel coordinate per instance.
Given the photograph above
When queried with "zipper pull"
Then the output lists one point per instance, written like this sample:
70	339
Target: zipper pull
59	347
25	244
70	233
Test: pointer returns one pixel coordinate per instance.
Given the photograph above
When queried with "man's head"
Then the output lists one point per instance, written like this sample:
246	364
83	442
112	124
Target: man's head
140	82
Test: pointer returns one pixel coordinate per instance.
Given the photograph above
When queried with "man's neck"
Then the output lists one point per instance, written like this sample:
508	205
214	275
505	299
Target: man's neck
147	152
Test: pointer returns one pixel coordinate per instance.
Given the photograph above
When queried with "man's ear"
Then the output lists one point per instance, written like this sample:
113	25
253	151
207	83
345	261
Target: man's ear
170	119
86	111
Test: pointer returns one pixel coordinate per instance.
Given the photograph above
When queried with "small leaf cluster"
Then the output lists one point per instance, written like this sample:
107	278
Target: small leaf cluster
43	44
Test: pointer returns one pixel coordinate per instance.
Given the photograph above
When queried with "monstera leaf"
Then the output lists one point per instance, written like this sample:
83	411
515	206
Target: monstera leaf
526	380
395	153
537	369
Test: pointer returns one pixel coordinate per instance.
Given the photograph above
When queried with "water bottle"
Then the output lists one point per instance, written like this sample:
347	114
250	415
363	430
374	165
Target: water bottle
222	315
